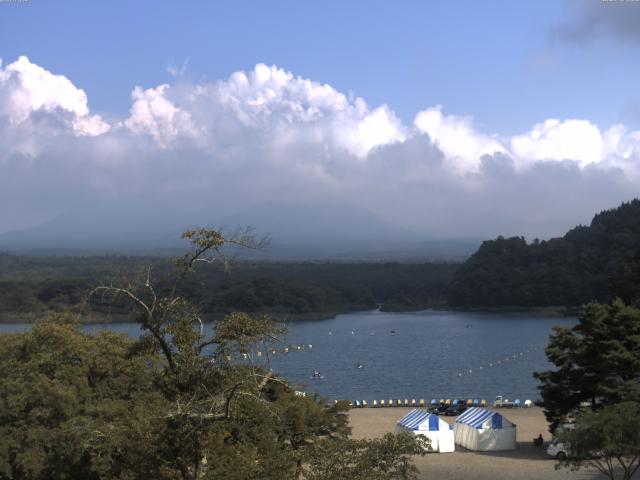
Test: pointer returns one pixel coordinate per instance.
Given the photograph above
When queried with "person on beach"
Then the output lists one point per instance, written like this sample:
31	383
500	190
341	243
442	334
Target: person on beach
538	441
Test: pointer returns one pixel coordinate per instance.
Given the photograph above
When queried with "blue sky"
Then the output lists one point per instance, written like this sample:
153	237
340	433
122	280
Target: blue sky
463	118
497	61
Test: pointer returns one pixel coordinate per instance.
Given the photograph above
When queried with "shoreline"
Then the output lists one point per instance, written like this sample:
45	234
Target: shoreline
97	318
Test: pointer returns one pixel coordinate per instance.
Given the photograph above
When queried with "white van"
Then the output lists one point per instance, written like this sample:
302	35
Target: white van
558	450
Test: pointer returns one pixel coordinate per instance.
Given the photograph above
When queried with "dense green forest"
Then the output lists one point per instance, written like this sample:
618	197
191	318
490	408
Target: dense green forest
590	263
30	286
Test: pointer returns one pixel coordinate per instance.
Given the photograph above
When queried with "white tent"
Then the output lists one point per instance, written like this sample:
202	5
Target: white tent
421	422
483	430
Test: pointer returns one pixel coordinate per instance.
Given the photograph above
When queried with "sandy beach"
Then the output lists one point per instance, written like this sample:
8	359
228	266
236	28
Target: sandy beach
526	462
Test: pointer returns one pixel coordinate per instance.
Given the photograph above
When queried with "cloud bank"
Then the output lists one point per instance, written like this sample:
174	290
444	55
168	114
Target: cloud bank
197	152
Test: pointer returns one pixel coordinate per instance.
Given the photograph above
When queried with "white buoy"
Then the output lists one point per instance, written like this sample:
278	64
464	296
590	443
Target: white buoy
310	346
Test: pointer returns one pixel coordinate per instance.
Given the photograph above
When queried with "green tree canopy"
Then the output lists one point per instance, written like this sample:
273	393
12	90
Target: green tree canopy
74	405
607	440
590	263
597	360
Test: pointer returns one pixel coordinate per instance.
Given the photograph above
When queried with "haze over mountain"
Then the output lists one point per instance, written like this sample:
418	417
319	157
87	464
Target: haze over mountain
295	232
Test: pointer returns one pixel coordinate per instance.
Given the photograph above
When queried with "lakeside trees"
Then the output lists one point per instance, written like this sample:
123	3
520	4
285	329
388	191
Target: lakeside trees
590	263
74	405
178	403
32	286
597	360
596	389
607	440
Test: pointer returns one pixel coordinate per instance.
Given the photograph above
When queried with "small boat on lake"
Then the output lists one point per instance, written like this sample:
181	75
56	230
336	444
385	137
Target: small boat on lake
316	375
359	365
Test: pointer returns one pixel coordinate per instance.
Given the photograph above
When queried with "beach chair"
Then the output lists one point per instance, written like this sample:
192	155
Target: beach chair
413	402
447	402
476	402
390	404
483	403
375	404
358	404
517	403
364	404
433	402
469	402
422	402
382	403
528	404
441	402
454	402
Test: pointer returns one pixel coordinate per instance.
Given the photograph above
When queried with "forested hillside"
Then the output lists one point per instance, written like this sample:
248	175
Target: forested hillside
595	262
30	286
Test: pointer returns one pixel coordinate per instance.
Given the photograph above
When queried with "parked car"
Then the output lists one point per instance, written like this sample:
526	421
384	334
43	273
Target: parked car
438	408
501	402
455	410
558	450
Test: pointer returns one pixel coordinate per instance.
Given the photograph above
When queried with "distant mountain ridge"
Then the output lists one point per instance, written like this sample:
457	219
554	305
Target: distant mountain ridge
590	263
300	232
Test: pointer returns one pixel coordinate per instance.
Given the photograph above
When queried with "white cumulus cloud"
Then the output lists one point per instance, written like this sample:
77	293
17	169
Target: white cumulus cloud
27	88
457	138
154	114
268	135
36	105
269	102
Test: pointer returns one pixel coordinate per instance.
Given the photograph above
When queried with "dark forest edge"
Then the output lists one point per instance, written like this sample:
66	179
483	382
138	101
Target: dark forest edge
598	262
33	286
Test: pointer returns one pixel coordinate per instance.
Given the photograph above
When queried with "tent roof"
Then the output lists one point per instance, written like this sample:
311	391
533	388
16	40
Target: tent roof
417	417
476	417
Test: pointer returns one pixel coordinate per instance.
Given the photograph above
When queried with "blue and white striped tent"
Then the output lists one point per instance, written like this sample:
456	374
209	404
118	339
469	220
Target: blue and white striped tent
477	417
421	422
482	430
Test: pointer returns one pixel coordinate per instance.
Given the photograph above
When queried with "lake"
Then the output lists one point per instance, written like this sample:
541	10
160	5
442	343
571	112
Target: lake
439	354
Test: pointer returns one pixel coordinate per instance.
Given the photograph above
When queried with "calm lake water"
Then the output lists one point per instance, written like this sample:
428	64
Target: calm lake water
431	354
